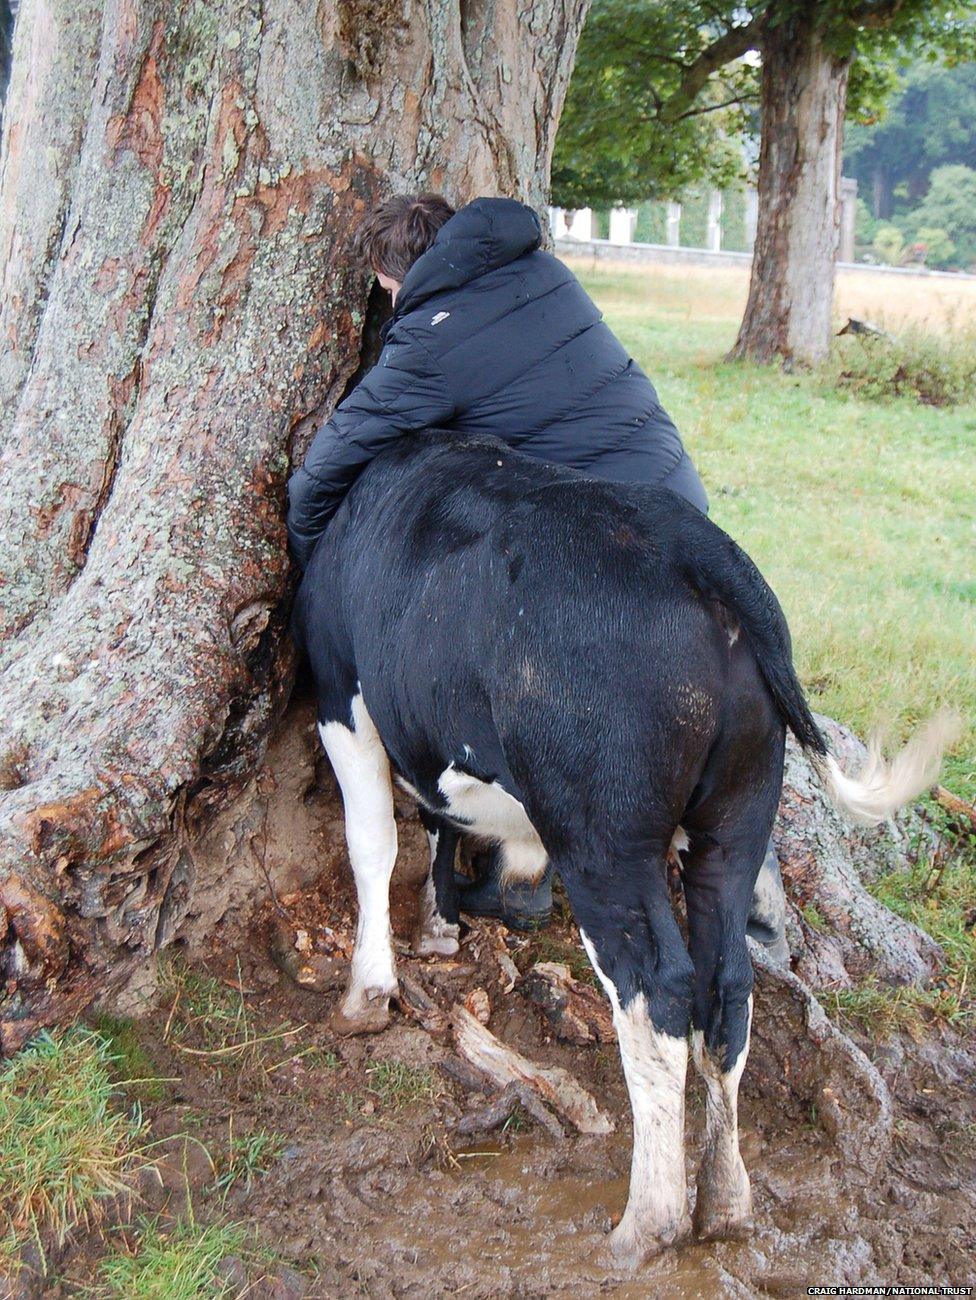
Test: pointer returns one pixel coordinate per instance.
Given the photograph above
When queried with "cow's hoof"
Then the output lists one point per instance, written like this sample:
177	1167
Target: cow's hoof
714	1223
632	1245
723	1210
371	1015
435	945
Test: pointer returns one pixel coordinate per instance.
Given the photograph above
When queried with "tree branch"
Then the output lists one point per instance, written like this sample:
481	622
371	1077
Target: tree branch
875	13
731	46
710	108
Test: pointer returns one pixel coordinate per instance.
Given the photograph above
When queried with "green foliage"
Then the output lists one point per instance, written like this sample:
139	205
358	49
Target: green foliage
950	206
651	226
734	221
938	893
931	122
694	218
814	917
930	368
889	245
938	250
865	226
64	1144
618	142
173	1264
662	88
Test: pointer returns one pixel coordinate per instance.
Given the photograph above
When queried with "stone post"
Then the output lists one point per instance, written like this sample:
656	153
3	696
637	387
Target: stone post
583	223
752	217
674	225
713	239
848	218
622	225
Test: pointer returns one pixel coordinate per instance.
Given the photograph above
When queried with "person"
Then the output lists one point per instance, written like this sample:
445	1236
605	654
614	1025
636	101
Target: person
491	334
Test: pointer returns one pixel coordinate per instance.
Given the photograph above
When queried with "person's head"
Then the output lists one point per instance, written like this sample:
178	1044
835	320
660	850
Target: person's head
397	232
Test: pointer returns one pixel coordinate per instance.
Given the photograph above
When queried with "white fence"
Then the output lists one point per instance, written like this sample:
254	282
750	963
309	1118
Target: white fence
582	224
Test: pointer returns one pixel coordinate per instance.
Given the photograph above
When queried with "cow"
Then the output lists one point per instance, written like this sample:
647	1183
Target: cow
587	673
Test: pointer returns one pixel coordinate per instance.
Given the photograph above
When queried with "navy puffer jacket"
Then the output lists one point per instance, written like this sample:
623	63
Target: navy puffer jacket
491	335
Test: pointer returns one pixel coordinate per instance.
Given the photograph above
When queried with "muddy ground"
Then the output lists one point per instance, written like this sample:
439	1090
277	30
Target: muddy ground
363	1187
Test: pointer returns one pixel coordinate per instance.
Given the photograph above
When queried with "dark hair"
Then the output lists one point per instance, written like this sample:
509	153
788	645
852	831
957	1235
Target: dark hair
397	232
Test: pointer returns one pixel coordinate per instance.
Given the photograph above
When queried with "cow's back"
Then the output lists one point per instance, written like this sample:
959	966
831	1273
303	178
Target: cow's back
482	598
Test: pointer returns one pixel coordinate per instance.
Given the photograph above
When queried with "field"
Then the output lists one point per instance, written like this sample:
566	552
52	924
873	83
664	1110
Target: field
861	514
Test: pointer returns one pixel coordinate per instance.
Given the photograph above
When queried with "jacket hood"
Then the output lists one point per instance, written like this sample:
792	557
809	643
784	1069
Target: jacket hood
480	237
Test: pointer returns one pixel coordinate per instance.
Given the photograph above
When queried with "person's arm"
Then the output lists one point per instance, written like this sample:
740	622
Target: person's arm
403	392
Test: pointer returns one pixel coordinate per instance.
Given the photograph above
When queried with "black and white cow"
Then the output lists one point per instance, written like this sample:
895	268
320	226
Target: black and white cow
586	673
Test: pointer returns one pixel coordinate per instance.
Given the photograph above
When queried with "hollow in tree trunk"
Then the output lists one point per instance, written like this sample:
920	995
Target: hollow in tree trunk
179	183
804	91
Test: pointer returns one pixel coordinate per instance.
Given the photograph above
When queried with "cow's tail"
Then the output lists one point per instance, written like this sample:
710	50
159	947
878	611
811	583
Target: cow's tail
717	567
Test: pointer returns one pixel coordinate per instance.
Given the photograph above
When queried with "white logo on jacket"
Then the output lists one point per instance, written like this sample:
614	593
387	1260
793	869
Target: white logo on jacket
441	315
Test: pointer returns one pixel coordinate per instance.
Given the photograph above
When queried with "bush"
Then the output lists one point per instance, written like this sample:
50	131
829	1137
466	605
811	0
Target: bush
950	205
651	226
889	245
734	221
936	248
865	226
937	370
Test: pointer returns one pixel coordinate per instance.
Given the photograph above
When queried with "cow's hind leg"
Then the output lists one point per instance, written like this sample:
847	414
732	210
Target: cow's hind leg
630	934
439	922
363	772
719	877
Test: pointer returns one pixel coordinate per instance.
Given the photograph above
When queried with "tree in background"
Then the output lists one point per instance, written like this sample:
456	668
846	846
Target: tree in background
818	59
179	184
930	123
949	208
612	147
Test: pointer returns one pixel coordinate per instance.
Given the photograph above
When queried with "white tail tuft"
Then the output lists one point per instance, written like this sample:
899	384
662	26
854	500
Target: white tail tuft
883	786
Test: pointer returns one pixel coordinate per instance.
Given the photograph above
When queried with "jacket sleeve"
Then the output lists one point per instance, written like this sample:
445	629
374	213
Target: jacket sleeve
403	392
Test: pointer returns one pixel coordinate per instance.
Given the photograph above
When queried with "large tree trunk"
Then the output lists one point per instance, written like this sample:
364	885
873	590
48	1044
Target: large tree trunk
180	181
804	91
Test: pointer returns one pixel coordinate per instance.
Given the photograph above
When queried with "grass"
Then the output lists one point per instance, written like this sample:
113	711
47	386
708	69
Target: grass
246	1158
881	1010
547	946
65	1146
130	1064
173	1264
396	1086
391	1087
860	514
209	1020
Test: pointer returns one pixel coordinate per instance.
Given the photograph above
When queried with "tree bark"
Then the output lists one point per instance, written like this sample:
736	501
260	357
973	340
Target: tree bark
8	12
804	91
178	312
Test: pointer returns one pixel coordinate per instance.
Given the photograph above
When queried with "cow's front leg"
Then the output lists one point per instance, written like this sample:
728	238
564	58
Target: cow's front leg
363	772
439	924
